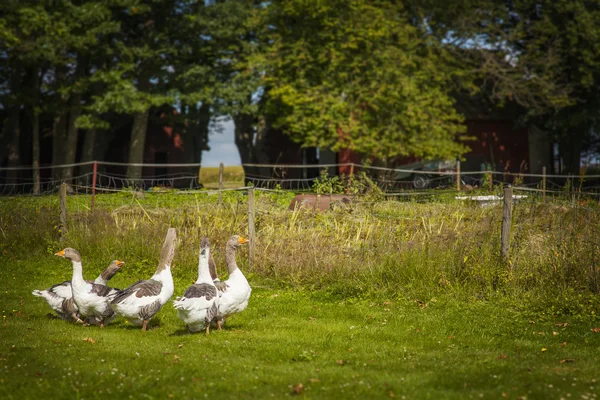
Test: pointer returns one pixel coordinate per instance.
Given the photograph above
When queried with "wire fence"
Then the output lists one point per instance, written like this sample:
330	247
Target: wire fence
422	181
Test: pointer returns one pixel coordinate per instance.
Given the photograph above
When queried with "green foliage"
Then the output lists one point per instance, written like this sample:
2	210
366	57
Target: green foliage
355	184
329	185
357	75
377	77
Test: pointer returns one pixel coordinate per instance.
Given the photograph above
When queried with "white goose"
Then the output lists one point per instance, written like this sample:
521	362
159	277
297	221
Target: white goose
60	296
199	303
141	301
92	299
234	298
212	267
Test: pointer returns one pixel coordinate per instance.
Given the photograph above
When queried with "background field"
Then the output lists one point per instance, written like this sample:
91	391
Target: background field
233	176
375	299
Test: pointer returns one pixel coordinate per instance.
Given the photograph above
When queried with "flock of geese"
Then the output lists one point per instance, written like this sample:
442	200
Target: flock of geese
208	302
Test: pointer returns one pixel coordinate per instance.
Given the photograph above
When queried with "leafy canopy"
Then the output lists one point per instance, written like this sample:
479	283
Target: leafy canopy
356	74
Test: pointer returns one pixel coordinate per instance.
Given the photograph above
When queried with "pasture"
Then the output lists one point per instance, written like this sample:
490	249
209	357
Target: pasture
233	176
374	299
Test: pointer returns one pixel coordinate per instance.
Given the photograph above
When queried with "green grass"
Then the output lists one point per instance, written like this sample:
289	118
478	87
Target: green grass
368	300
232	177
371	348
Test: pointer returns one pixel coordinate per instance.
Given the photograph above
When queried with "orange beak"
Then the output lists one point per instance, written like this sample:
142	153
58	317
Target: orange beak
242	240
120	263
60	253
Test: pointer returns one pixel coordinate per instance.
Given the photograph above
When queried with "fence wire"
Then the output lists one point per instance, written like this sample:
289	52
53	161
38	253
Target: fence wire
301	178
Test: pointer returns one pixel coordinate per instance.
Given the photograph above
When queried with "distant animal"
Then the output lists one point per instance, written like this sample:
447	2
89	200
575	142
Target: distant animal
91	299
234	298
139	302
198	305
60	296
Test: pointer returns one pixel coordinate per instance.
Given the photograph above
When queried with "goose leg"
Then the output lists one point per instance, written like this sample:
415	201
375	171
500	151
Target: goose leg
145	325
207	329
76	318
220	325
102	324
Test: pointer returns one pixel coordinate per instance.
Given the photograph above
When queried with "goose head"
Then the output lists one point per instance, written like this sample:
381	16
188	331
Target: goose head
115	266
204	245
69	253
236	241
112	269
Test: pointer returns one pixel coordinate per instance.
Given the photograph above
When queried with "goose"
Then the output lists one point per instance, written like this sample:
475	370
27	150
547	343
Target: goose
234	298
199	303
91	299
212	267
60	296
139	302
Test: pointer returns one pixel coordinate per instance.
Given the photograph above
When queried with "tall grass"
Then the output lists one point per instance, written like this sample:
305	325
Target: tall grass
398	249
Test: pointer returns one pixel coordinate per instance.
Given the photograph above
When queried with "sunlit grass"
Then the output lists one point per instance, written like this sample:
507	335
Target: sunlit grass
373	299
372	348
233	176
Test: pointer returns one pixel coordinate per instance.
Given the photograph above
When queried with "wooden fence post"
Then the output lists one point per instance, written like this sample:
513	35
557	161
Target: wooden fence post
63	210
458	175
94	184
220	183
544	184
251	228
506	219
571	190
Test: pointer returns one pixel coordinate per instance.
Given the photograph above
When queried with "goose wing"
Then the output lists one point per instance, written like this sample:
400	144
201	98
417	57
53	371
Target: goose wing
62	289
144	288
102	290
197	297
201	290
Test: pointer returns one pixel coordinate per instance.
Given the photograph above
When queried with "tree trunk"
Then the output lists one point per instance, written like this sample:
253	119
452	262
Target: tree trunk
35	75
70	144
59	130
14	147
59	127
570	152
261	147
88	147
87	154
70	150
196	135
244	135
137	144
12	126
35	133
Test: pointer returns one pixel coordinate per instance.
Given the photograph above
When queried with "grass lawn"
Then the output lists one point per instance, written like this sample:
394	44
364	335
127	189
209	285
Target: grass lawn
370	300
334	348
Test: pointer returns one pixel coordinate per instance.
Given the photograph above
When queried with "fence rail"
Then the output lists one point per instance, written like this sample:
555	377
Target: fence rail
109	176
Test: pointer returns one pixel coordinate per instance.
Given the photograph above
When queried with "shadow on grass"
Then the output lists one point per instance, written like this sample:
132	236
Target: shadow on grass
184	331
181	332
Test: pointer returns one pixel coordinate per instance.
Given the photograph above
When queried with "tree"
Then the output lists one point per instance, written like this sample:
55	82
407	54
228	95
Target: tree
47	44
543	55
356	74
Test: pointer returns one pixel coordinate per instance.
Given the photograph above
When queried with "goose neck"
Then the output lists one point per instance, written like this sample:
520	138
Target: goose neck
77	273
203	270
230	259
